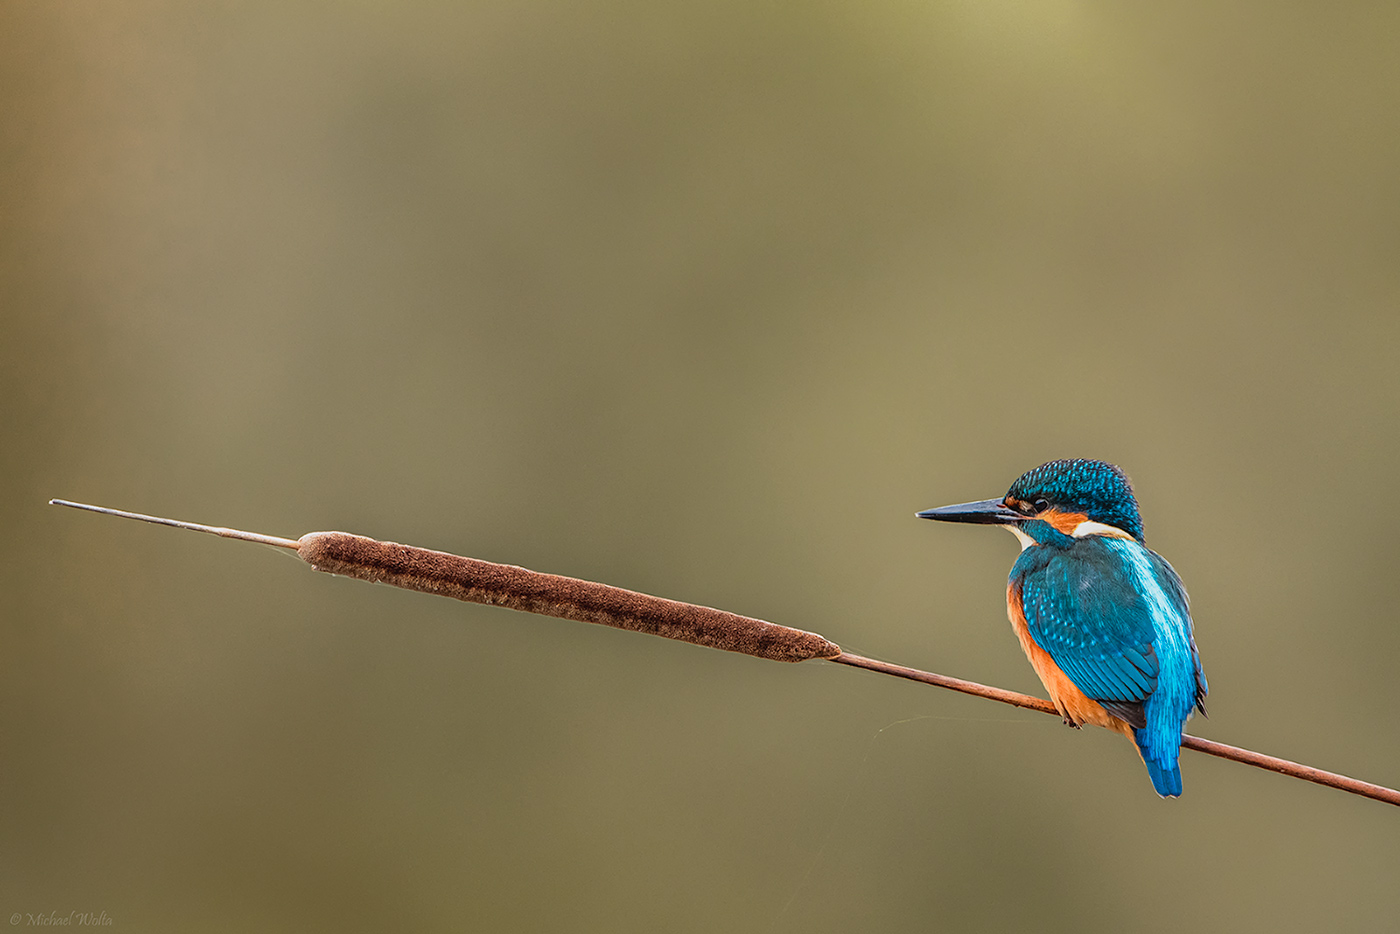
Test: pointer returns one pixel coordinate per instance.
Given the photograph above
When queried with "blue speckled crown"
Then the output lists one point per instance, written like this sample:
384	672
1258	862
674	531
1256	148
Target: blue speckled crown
1099	490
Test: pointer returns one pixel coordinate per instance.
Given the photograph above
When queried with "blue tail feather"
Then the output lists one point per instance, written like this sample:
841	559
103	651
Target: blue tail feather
1165	778
1167	782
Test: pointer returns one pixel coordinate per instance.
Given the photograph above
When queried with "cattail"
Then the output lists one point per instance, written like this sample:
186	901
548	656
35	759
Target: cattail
449	575
569	598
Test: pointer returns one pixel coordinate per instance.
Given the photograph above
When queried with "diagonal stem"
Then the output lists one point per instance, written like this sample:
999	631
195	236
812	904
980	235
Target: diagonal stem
476	581
1257	759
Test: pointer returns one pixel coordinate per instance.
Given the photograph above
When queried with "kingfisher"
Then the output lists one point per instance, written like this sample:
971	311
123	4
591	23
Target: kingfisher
1104	620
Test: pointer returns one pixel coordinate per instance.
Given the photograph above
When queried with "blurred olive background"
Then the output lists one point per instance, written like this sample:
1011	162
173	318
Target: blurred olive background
702	299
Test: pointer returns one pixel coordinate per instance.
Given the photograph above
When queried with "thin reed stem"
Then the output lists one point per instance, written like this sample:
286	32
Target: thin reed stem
470	579
1257	759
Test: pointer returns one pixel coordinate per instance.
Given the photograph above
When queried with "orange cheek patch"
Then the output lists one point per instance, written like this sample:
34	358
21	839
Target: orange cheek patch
1065	522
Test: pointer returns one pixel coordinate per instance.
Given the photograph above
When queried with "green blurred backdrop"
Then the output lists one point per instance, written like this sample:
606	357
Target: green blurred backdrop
703	299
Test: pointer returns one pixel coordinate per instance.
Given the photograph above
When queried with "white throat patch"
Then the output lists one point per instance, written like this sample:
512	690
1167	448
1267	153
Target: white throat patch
1084	529
1025	540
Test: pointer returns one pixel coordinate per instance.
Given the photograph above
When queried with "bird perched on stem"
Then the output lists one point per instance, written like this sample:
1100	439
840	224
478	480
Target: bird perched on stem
1103	619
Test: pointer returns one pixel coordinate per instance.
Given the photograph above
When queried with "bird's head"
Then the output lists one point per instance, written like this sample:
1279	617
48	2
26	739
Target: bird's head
1074	497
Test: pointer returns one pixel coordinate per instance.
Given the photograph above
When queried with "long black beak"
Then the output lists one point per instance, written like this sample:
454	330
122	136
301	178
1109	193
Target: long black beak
985	512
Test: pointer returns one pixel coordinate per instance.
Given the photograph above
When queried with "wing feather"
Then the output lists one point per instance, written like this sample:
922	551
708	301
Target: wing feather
1082	608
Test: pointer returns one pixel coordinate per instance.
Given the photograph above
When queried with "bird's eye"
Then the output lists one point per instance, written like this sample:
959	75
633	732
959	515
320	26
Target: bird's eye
1040	505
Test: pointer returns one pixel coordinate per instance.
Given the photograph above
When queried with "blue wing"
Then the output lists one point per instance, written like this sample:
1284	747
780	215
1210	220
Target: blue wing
1082	606
1114	616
